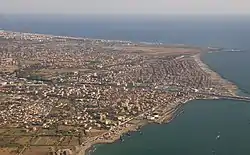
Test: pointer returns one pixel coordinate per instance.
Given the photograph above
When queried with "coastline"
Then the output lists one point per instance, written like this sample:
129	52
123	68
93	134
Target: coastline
85	150
170	116
125	42
227	85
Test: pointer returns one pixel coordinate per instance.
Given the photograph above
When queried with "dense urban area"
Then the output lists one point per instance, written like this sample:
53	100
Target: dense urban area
60	95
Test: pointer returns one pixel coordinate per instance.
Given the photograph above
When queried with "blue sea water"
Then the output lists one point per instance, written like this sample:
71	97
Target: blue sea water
232	32
194	132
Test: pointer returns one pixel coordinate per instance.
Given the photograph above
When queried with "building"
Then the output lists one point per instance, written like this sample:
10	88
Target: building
61	152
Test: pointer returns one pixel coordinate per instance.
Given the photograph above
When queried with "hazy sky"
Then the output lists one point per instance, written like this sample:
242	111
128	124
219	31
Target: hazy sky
126	6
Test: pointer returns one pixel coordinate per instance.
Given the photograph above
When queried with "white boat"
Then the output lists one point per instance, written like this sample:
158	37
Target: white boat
218	137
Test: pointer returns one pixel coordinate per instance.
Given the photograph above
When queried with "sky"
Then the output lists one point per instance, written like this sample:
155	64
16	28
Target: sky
125	6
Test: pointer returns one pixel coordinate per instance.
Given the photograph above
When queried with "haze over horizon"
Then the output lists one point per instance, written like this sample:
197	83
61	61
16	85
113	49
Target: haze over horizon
125	7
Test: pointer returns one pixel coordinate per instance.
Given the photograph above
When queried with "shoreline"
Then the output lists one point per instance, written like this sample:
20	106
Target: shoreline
88	147
85	148
127	42
116	138
229	86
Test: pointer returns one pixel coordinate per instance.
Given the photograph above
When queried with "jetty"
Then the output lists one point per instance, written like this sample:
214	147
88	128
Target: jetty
228	97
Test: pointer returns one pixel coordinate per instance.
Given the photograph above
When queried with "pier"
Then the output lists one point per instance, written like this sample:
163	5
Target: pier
238	98
229	97
220	96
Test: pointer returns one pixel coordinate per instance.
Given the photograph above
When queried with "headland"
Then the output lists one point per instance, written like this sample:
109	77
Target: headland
65	94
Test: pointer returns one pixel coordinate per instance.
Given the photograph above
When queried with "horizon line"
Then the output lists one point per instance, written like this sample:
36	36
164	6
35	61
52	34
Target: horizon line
129	14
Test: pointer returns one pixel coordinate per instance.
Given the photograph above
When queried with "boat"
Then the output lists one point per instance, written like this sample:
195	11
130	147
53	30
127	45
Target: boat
139	129
214	49
140	132
213	151
128	134
218	137
121	139
235	50
232	50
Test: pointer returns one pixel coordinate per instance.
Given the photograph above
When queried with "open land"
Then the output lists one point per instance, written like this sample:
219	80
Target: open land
64	94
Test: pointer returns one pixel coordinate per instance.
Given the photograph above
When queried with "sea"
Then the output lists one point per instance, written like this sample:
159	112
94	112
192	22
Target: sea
195	132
